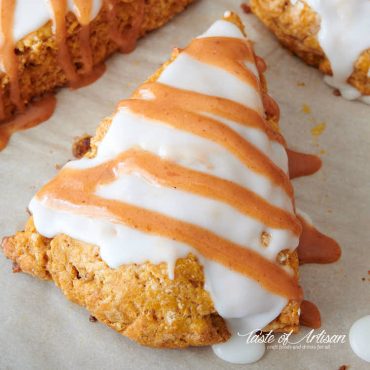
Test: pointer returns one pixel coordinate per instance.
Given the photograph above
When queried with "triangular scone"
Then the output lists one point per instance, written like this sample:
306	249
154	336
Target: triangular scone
332	35
178	227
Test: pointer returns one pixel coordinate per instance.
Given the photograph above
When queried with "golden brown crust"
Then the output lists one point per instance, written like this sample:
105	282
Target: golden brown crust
28	250
137	300
39	72
297	30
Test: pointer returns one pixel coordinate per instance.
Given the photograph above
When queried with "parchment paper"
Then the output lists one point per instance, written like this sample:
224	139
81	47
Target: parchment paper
40	329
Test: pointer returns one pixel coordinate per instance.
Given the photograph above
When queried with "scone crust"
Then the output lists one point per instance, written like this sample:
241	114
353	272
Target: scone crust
297	29
139	301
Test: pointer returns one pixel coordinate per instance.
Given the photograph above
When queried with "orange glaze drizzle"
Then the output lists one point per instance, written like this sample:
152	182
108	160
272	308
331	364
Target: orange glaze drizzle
7	52
73	188
231	58
83	10
310	315
315	247
126	41
164	112
33	115
301	164
201	103
171	175
59	8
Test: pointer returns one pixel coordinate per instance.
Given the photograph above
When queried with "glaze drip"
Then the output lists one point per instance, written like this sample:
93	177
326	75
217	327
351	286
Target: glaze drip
125	40
310	315
32	116
83	13
315	247
7	54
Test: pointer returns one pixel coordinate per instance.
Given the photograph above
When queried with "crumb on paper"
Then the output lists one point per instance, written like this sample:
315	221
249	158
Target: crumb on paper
92	318
246	8
58	166
81	146
306	109
343	367
301	84
336	92
363	279
16	268
318	129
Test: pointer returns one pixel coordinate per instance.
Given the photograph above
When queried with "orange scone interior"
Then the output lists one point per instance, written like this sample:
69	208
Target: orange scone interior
178	227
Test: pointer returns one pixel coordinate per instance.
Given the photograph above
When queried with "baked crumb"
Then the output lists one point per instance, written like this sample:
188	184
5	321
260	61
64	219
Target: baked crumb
16	268
306	109
92	318
318	129
246	8
81	146
282	257
344	367
336	92
301	84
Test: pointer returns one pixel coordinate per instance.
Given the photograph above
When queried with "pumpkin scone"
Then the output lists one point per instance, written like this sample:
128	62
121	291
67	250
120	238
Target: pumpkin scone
178	226
49	44
332	35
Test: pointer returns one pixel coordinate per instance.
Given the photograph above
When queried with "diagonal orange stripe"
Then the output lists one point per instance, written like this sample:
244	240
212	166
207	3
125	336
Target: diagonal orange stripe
214	130
197	102
69	190
170	174
228	53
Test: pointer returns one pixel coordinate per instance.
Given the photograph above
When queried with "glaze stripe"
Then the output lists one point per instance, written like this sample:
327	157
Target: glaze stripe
213	130
74	193
201	103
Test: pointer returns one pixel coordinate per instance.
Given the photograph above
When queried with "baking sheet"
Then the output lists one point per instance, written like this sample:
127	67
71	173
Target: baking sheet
40	329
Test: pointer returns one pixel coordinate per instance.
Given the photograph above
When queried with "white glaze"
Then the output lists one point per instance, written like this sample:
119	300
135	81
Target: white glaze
236	89
241	301
237	351
359	338
30	15
33	14
344	34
